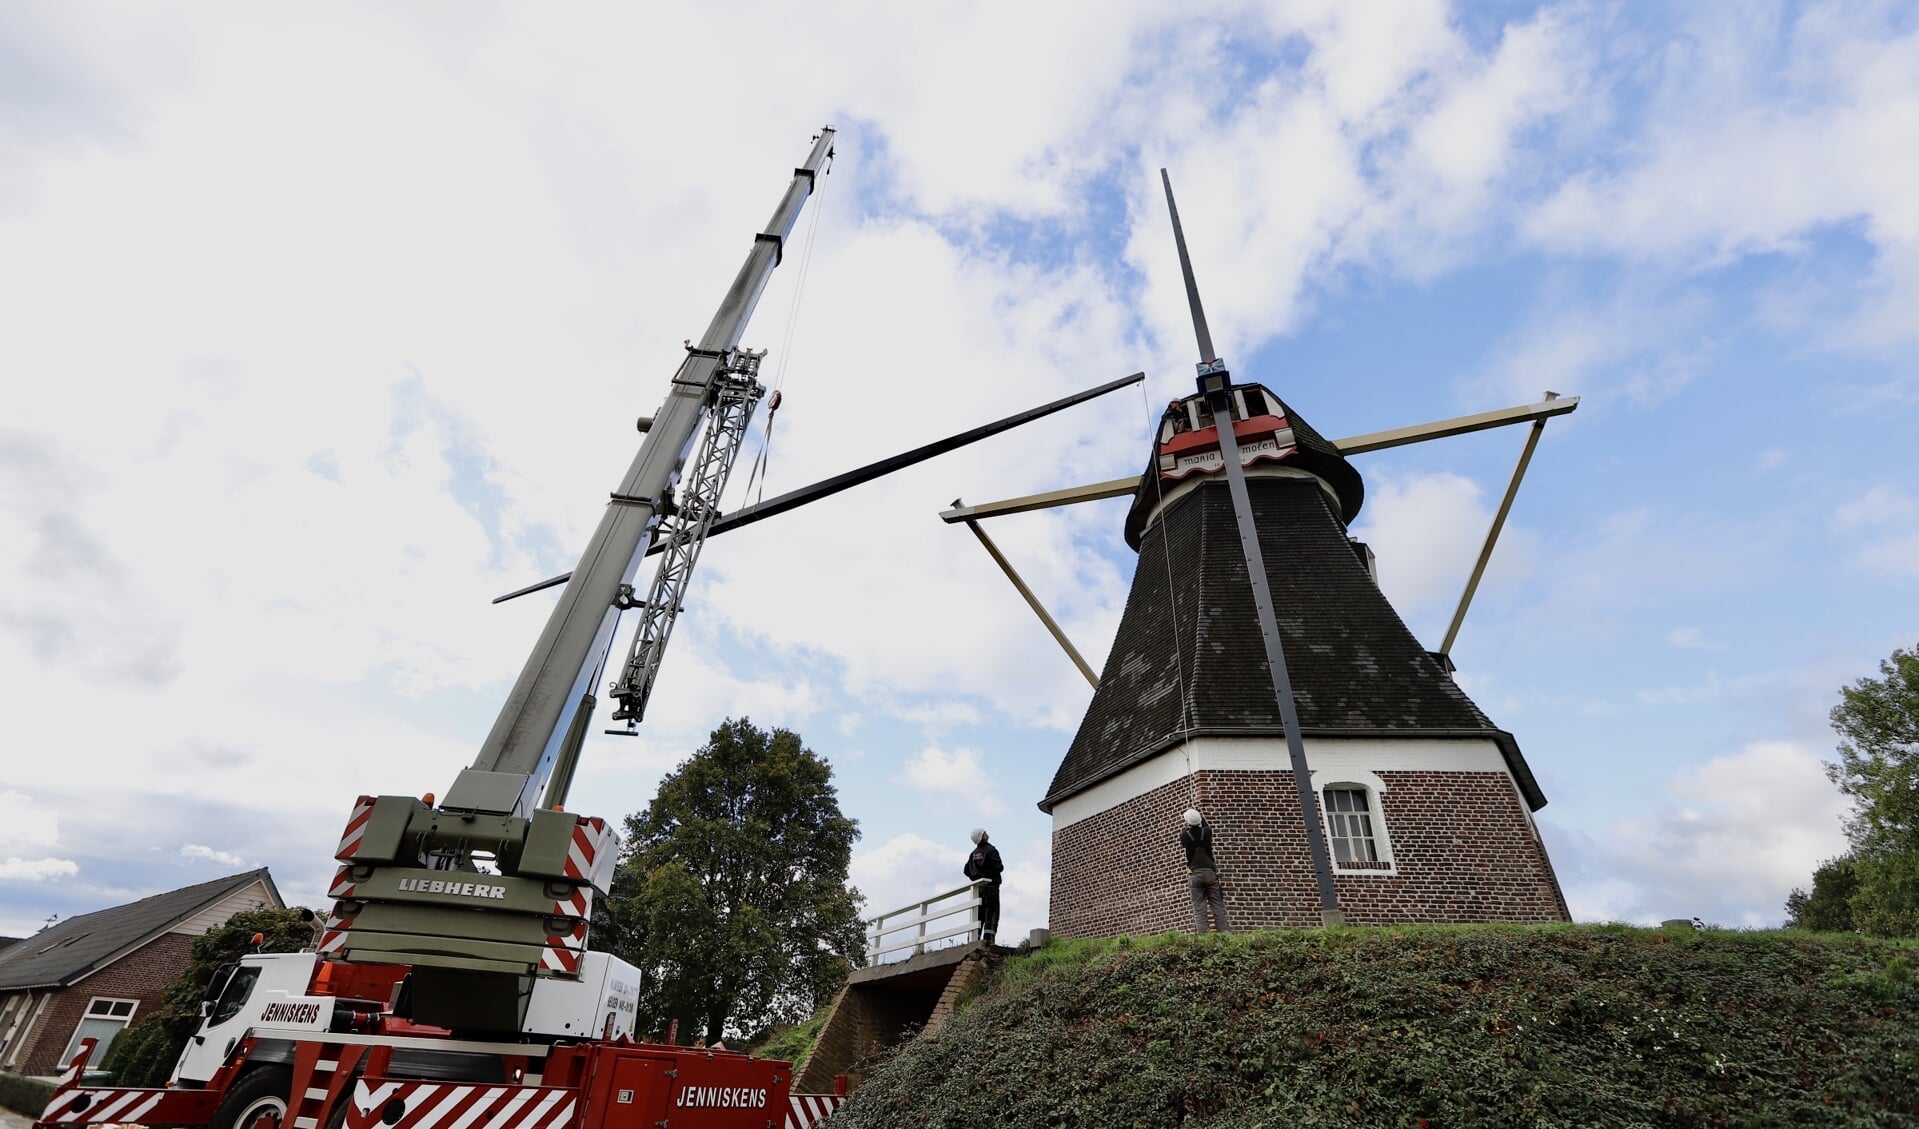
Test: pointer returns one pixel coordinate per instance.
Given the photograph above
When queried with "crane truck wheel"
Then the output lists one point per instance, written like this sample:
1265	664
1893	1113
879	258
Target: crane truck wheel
260	1095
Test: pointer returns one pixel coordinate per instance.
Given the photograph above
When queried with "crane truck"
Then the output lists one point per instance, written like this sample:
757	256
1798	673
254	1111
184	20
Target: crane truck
452	986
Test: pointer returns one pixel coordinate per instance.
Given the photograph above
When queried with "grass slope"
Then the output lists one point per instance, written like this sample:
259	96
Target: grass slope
1424	1027
793	1044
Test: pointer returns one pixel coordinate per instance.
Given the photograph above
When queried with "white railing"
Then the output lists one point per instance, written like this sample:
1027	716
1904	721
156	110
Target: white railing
896	932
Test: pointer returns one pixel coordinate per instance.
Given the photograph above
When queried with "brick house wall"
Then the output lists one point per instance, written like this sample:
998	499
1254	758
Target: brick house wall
141	975
1463	849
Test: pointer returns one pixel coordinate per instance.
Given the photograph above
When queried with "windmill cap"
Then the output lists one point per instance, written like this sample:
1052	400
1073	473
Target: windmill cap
1192	817
978	834
1314	454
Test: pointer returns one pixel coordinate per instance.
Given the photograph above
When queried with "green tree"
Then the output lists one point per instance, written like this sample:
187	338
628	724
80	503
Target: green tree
144	1054
731	896
1878	724
1828	907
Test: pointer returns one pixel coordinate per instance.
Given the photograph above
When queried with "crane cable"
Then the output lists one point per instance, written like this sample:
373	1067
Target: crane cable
758	472
1172	600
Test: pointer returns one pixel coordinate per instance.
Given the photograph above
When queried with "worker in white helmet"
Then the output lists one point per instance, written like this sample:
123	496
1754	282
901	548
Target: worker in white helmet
1203	873
983	866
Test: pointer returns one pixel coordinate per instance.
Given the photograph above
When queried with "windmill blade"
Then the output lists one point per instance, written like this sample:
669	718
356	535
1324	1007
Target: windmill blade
1355	445
827	487
1552	405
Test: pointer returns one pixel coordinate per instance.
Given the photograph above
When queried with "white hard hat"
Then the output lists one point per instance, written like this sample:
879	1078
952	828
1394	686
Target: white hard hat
978	834
1192	817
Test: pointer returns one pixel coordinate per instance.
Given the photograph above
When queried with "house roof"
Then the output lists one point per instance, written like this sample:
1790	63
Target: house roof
1189	635
59	955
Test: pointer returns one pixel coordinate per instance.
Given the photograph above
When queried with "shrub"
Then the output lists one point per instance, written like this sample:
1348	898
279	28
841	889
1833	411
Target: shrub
144	1054
793	1044
24	1095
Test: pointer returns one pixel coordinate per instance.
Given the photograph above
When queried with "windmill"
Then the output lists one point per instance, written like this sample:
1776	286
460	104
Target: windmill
1362	759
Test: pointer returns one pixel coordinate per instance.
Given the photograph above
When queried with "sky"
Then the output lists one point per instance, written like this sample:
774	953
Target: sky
320	326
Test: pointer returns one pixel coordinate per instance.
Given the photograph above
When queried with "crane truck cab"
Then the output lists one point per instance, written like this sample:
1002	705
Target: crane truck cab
259	1010
253	1015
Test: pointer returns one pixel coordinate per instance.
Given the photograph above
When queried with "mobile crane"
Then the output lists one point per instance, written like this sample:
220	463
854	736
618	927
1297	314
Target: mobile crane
452	986
452	982
493	888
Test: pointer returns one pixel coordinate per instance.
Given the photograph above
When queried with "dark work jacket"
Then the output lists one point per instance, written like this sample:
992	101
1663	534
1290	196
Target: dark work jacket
984	862
1198	842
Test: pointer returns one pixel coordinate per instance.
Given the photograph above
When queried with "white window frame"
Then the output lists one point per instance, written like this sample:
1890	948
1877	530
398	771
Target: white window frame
18	1003
24	1022
1374	789
126	1021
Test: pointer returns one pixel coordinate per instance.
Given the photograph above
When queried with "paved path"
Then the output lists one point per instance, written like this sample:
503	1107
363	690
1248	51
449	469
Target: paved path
12	1120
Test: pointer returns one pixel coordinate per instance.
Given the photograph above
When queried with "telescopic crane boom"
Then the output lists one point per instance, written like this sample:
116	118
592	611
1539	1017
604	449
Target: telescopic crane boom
529	736
494	886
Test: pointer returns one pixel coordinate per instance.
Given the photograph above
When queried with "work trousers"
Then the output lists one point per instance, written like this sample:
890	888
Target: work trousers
989	910
1207	891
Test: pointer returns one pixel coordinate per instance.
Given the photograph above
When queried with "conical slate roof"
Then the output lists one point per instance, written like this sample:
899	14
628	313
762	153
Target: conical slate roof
1189	636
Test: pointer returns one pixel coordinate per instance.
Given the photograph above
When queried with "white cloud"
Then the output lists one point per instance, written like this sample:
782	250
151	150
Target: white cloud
1730	840
1741	145
26	824
958	774
1711	688
1896	556
1598	579
1691	639
1881	506
14	869
1426	530
195	852
909	868
1885	523
1385	151
1639	347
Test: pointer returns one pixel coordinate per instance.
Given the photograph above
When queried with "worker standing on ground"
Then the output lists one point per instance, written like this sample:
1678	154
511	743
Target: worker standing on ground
1197	838
984	868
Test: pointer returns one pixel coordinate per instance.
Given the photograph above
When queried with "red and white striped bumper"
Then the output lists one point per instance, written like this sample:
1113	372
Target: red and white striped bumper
442	1105
811	1109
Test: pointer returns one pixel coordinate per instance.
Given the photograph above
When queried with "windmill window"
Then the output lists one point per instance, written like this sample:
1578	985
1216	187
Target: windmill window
1350	824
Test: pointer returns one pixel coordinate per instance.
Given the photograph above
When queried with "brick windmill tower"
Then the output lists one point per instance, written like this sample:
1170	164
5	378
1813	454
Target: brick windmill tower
1260	675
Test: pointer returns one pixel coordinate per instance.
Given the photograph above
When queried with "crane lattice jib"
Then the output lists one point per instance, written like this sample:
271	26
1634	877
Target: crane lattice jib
495	884
735	394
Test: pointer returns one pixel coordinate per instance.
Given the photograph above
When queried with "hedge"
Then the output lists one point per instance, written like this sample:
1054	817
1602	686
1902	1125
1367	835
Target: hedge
1423	1028
24	1095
